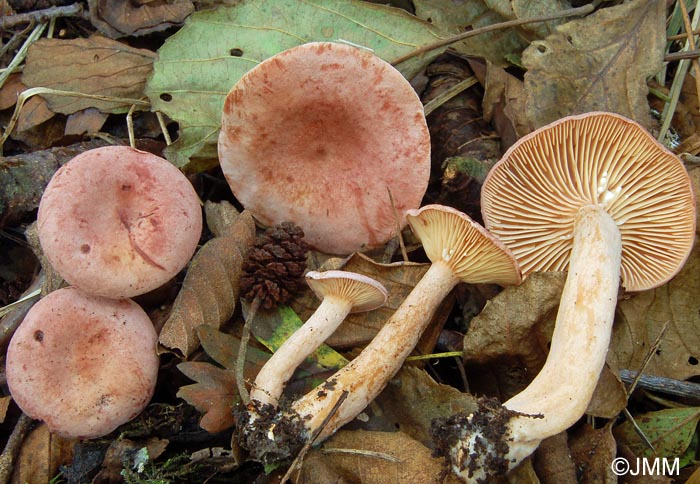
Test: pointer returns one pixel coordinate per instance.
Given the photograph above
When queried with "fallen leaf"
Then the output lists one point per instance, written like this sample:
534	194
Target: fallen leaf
215	392
593	450
198	65
412	400
373	458
552	461
210	289
4	405
88	121
636	464
598	63
88	65
40	456
641	316
669	430
34	112
398	278
119	18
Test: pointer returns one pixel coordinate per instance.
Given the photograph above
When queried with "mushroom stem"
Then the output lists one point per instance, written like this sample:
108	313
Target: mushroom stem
366	375
270	382
561	392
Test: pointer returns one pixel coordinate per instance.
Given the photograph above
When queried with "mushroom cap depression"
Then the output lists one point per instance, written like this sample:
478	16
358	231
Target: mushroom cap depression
532	195
118	222
318	135
83	364
473	254
363	292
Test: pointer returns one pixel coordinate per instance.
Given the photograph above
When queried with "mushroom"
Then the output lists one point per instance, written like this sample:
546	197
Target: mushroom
460	250
83	364
342	293
319	135
118	222
594	193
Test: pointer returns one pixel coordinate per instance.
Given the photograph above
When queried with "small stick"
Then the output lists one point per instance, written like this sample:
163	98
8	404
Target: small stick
240	359
662	384
691	44
130	125
647	357
586	9
12	448
74	10
22	52
404	254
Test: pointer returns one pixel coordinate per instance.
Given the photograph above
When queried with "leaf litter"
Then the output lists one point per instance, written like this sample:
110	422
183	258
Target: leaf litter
601	61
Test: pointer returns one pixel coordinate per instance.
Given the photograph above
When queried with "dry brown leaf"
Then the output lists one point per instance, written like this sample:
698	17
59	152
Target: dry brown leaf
88	120
399	278
4	405
119	18
95	65
598	63
593	451
121	451
412	399
372	458
34	112
215	394
41	454
504	105
552	461
210	289
641	316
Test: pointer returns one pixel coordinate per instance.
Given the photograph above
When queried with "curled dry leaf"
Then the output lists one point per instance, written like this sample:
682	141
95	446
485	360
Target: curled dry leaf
373	458
41	455
88	66
119	18
593	450
598	63
35	110
210	289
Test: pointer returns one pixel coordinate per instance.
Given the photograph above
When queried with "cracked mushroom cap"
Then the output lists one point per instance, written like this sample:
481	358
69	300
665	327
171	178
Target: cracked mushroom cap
83	364
318	135
363	292
452	237
119	222
532	195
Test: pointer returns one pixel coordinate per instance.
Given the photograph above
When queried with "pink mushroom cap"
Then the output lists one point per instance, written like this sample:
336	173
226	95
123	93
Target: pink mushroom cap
83	364
119	222
318	135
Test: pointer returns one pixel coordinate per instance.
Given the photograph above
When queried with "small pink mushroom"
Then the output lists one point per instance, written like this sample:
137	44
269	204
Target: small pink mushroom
119	222
83	364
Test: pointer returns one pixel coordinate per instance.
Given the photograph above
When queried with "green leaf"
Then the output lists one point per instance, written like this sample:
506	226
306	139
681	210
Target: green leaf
287	323
200	63
670	431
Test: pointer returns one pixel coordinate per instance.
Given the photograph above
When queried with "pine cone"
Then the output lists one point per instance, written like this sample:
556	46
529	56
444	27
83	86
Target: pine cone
275	265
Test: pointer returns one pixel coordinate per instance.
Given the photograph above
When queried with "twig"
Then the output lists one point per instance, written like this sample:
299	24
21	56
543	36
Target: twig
242	348
662	384
572	12
404	254
22	52
448	94
12	448
691	43
74	10
304	450
130	125
164	128
647	357
362	452
688	54
638	430
682	36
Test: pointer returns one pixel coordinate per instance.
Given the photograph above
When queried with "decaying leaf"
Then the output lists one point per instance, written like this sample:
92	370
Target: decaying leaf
399	278
35	110
593	451
669	431
119	18
373	458
598	63
210	289
88	65
641	316
88	121
199	64
41	455
215	392
552	461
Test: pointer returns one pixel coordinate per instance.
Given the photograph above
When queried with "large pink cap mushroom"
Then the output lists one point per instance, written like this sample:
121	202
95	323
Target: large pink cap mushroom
318	135
83	364
118	222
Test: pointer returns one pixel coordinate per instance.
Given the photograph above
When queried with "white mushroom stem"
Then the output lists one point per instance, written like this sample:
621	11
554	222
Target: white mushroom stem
366	375
270	382
561	392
